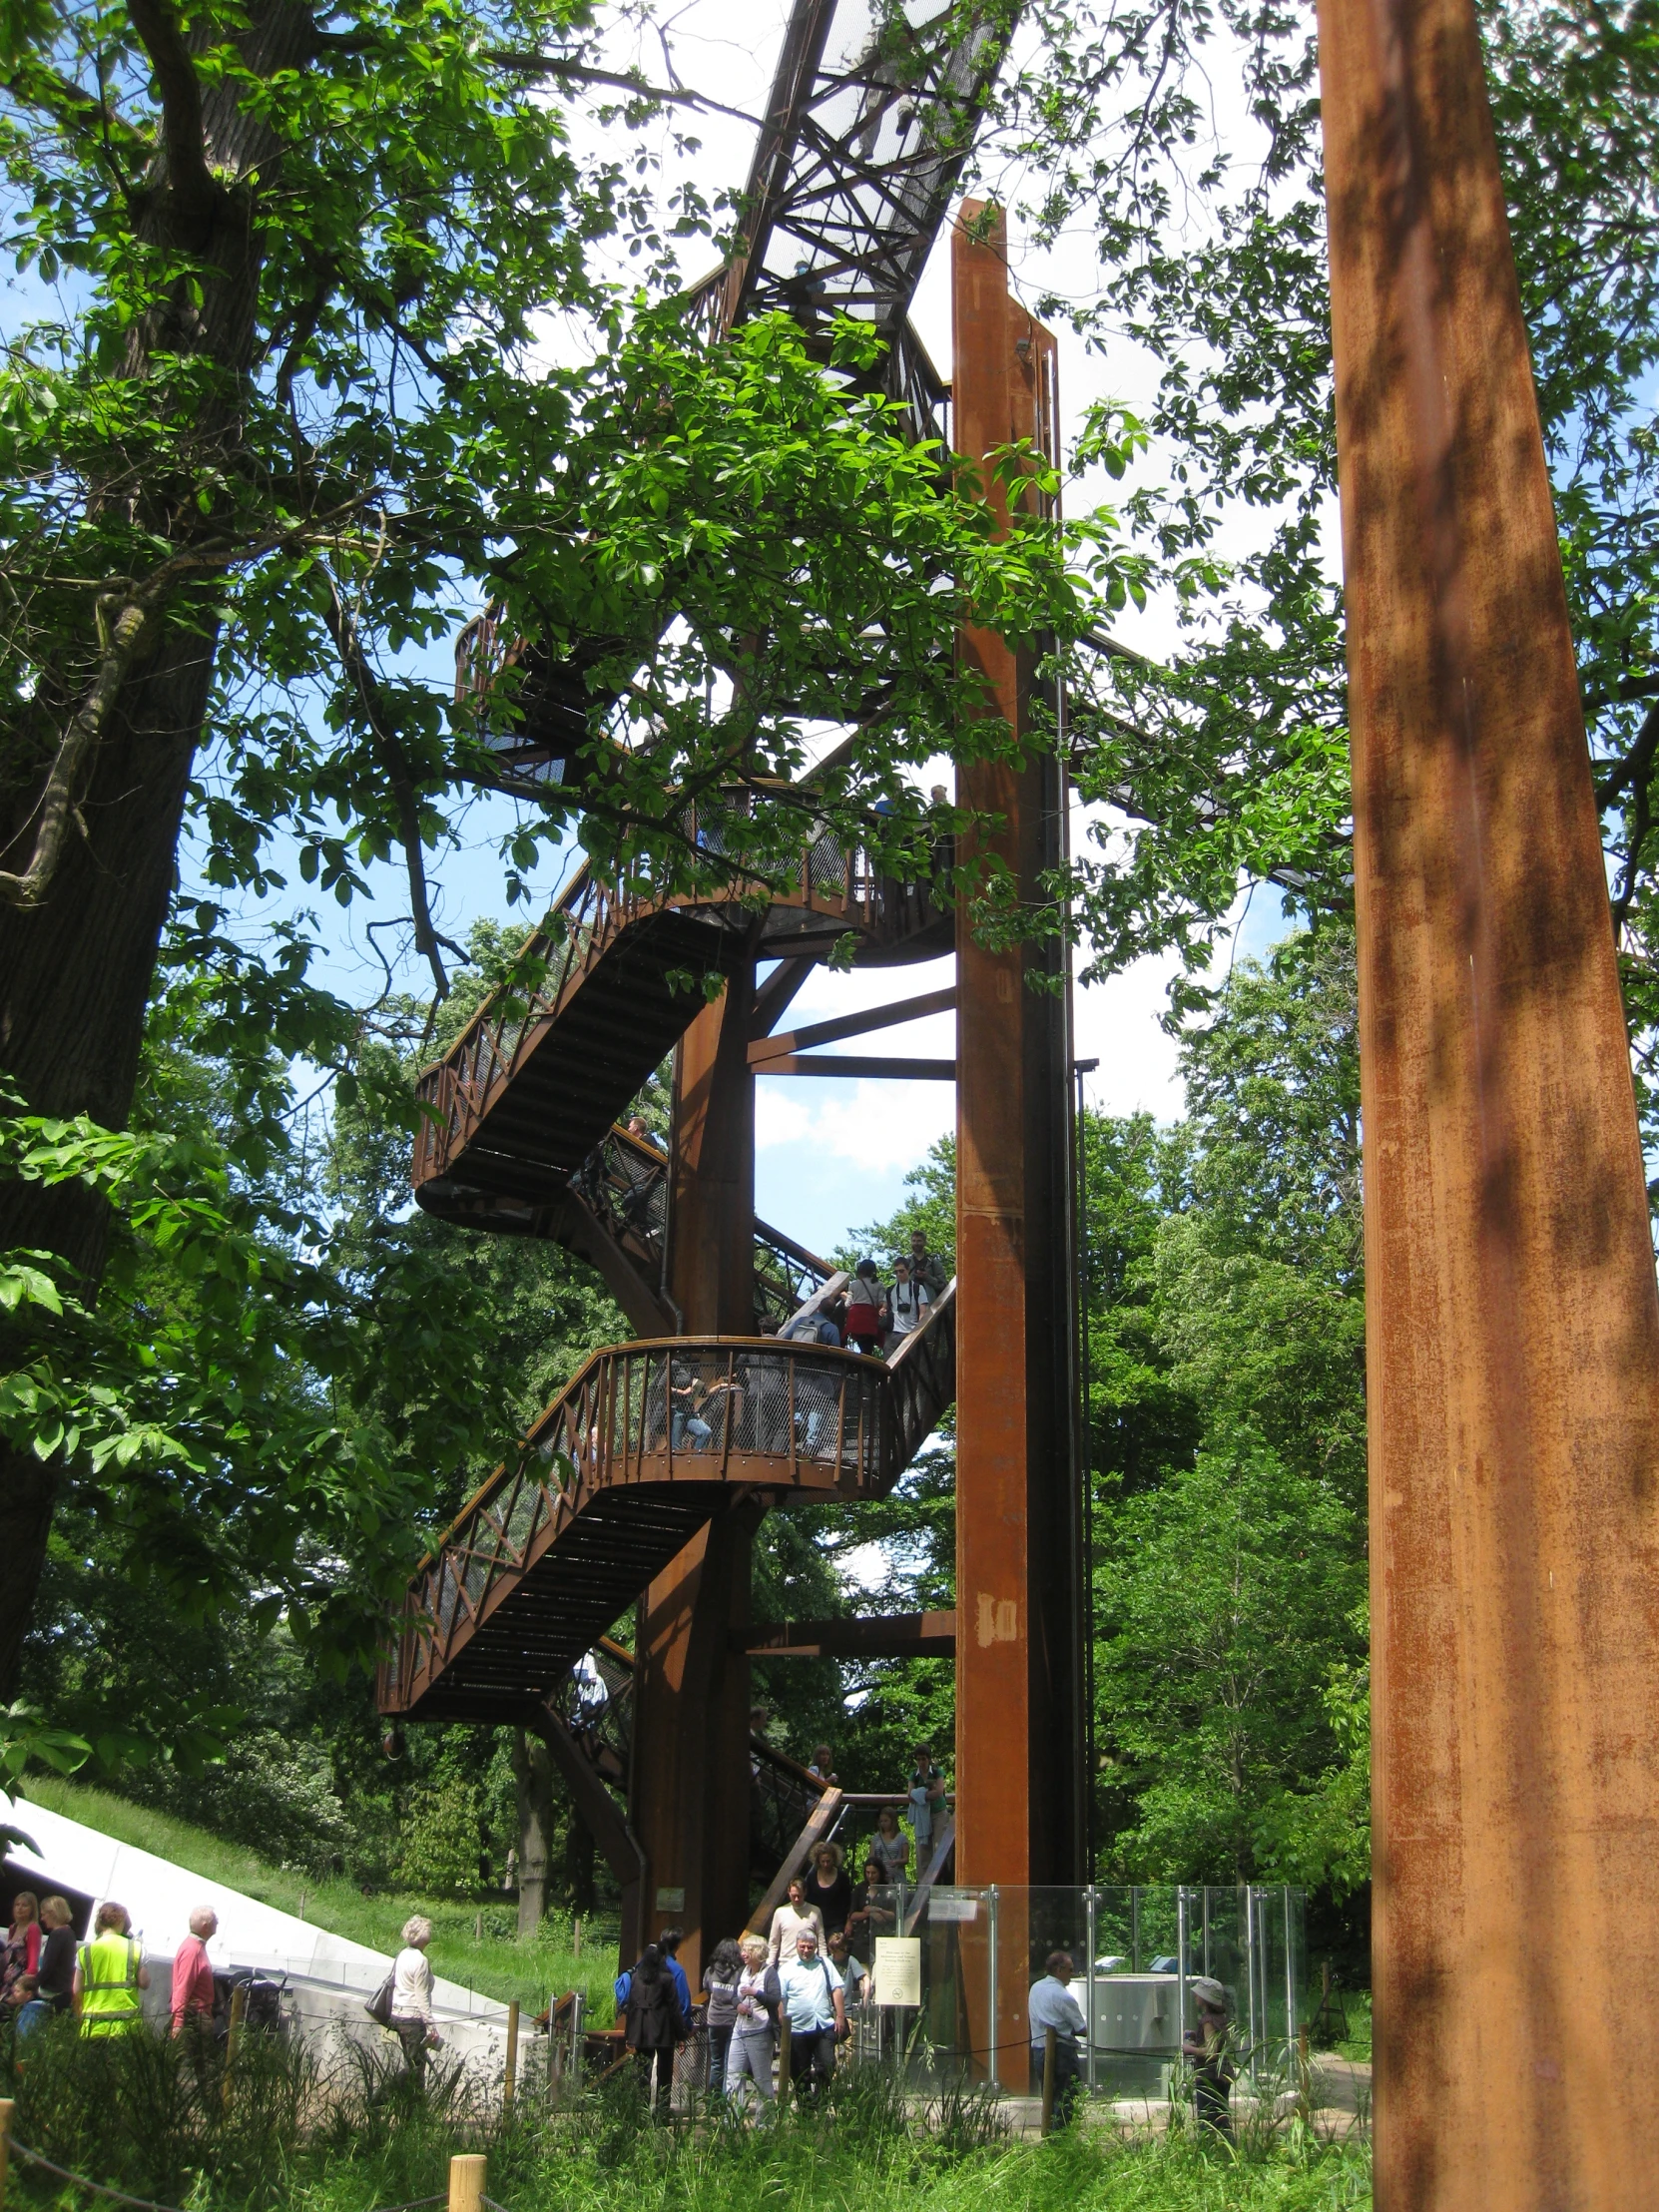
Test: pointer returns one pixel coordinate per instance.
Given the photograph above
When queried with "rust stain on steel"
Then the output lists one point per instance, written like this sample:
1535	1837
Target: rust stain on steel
1018	1761
1512	1322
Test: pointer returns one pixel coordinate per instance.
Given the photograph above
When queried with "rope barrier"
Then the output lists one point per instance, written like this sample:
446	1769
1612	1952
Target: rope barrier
148	2204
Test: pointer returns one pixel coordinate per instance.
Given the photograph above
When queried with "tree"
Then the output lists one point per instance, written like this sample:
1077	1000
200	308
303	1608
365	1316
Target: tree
1227	1332
1232	756
293	426
1224	1597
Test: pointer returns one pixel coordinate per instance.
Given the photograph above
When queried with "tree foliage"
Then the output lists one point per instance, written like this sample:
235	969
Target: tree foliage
1226	1327
1210	224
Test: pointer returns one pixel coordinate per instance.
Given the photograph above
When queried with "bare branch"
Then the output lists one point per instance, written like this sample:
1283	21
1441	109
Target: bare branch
124	625
556	65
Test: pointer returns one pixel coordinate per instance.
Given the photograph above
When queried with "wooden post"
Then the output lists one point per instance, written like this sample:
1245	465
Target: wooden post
576	1937
512	2057
1304	2075
238	2005
7	2108
466	2181
1051	2045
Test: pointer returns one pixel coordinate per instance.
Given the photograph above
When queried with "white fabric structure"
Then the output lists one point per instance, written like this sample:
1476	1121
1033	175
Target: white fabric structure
328	1975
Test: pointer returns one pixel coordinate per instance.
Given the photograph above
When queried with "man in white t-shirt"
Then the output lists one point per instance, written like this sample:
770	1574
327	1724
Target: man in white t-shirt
907	1303
812	2002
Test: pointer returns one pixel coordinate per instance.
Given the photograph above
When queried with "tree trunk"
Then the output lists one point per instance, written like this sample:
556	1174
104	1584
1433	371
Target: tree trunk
76	970
75	975
533	1785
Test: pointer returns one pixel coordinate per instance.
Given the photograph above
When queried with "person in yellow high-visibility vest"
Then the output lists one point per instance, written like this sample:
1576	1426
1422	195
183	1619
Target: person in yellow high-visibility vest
109	1974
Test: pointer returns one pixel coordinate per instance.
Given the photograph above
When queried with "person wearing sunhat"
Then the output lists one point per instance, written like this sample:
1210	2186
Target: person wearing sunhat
1208	2046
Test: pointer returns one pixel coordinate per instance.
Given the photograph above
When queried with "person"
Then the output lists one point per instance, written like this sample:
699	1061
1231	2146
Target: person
788	1922
724	1405
927	1792
654	2023
927	1268
866	1309
890	1845
720	1985
823	1764
684	1420
815	1329
668	1947
907	1305
411	1999
32	2009
1208	2047
56	1986
828	1888
869	1916
21	1955
1052	2006
854	1975
109	1974
755	2037
193	1974
810	1991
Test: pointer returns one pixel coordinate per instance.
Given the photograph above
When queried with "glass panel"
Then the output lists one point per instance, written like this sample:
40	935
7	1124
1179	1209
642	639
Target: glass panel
1130	1956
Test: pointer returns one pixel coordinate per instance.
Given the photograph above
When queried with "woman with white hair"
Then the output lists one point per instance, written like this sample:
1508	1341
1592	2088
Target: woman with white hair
411	1998
753	2042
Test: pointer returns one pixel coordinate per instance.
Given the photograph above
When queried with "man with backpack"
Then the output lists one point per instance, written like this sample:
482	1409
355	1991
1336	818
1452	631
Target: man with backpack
811	1992
665	1945
653	2025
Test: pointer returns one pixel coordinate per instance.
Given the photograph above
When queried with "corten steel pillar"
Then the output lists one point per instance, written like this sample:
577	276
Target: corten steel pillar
688	1795
1512	1326
1018	1646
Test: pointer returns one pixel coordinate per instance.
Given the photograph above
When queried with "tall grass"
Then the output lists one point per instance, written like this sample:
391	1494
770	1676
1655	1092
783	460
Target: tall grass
494	1962
353	2135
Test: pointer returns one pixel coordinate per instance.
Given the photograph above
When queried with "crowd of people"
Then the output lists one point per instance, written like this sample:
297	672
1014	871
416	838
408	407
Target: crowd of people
756	1404
874	1317
102	1979
764	1996
808	1970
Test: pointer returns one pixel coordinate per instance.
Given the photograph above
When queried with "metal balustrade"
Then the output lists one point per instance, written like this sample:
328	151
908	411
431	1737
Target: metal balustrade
623	1468
626	956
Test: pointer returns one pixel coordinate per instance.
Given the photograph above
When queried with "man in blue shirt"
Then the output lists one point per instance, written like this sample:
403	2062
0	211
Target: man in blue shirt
668	1942
1052	2006
811	1992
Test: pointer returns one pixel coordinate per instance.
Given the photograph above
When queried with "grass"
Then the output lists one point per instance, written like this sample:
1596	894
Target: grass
1356	2043
131	2114
496	1963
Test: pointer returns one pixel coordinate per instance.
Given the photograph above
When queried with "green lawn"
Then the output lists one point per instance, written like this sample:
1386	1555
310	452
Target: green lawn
496	1962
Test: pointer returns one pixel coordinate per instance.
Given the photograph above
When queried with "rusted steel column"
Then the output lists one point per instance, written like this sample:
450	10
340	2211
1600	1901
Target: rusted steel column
689	1793
1512	1325
1018	1709
711	1176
